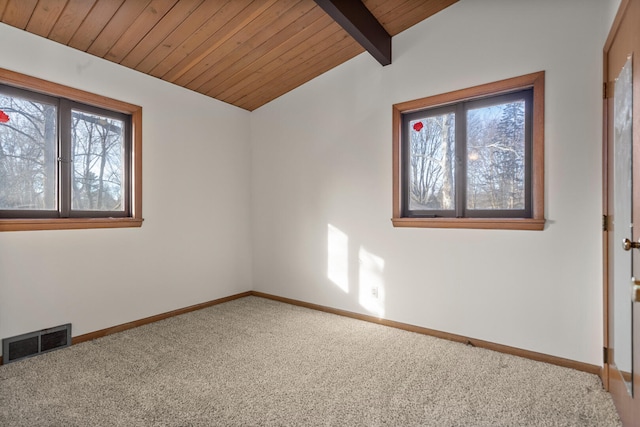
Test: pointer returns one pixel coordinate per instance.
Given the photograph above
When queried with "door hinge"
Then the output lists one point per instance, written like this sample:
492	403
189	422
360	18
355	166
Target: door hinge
604	90
605	223
605	355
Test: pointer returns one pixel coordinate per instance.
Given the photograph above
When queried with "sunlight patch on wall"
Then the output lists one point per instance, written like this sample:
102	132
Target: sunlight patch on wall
338	257
371	286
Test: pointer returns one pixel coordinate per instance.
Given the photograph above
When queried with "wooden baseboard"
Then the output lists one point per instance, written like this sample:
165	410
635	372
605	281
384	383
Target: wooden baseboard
559	361
123	327
119	328
540	357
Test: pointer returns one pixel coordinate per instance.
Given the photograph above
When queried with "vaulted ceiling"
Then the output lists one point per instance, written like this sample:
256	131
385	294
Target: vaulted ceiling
243	52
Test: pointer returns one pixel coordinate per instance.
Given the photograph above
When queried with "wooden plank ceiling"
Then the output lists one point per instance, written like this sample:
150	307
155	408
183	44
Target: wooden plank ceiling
243	52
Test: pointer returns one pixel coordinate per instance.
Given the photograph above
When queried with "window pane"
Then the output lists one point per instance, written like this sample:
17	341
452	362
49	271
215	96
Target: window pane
496	157
27	154
431	161
97	145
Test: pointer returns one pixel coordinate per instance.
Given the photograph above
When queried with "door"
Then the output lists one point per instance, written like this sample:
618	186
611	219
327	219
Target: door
622	210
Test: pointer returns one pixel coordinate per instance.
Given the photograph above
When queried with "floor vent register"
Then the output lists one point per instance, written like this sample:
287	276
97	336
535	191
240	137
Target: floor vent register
35	343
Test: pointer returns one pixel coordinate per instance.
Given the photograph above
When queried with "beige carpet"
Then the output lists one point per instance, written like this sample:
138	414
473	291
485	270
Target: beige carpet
256	362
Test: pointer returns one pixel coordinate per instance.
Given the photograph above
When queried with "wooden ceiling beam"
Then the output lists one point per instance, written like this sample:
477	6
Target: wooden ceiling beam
359	22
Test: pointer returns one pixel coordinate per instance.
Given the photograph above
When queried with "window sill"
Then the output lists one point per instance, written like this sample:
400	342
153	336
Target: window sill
477	223
67	223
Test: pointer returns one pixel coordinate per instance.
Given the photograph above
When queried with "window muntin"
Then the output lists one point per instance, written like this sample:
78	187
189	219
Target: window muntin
516	199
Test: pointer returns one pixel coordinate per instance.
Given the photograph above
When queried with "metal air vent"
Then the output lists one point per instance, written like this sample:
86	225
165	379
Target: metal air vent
34	343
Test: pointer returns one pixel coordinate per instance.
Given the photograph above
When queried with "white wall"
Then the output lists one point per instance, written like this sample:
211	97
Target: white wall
194	245
322	161
613	9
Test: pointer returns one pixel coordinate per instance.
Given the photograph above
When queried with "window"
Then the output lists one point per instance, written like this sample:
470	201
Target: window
472	158
68	158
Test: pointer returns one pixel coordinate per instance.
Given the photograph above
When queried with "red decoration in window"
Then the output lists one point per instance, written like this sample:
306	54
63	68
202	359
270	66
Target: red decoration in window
3	117
418	126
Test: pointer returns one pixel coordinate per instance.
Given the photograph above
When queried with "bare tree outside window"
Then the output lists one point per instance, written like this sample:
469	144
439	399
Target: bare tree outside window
97	145
471	158
27	154
60	158
496	157
69	159
431	159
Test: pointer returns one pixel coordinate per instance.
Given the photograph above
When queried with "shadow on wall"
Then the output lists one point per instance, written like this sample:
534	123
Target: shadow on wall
368	279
